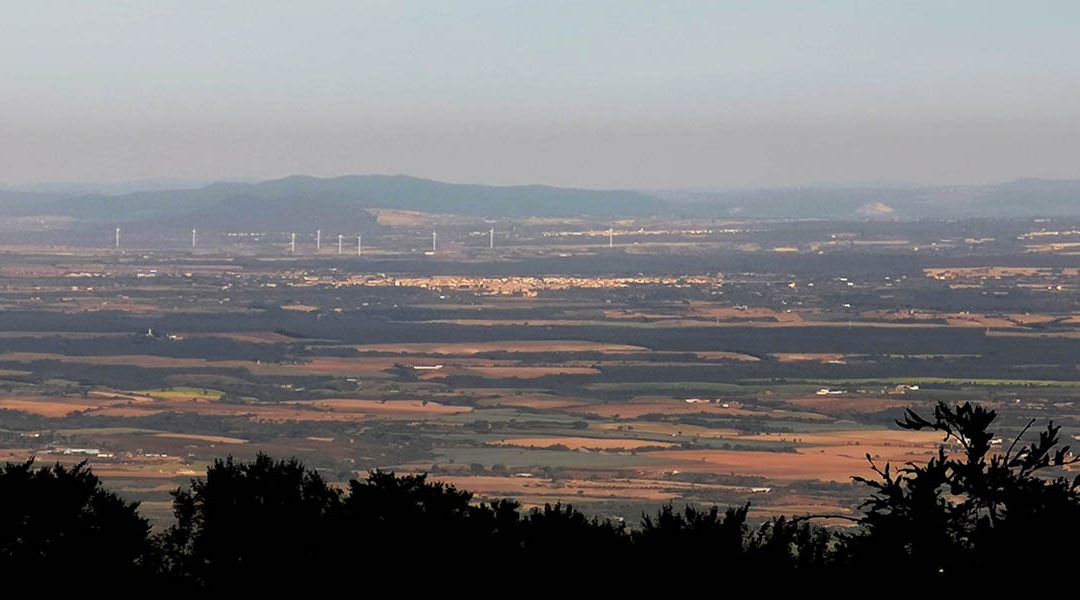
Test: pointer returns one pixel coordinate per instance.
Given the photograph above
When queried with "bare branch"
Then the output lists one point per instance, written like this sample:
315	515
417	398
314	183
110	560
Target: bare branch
1020	435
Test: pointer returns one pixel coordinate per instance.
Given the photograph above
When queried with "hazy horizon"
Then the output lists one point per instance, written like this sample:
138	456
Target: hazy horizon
627	95
118	187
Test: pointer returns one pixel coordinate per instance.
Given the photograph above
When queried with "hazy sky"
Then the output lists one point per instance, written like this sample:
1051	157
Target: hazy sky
587	93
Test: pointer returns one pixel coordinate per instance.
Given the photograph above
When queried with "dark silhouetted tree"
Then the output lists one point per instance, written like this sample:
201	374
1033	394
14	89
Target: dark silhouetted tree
405	517
790	544
694	532
558	532
777	545
253	525
58	520
971	511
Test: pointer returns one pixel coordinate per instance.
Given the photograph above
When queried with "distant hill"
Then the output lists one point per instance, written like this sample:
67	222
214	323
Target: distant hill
247	212
300	201
22	202
1023	198
77	188
305	202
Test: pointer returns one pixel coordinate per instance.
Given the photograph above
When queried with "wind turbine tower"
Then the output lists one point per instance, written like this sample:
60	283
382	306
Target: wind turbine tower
611	237
359	245
193	238
318	240
292	243
434	241
117	237
339	247
491	239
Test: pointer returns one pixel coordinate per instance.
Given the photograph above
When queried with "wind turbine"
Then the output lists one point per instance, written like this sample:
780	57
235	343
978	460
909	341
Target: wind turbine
318	240
491	239
339	237
292	243
434	241
193	238
359	245
117	237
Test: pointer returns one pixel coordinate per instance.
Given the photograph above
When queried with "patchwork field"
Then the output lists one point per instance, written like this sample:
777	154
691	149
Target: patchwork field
506	346
583	443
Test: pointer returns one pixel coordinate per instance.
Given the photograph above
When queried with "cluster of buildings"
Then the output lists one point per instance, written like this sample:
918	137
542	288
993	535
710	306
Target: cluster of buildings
508	286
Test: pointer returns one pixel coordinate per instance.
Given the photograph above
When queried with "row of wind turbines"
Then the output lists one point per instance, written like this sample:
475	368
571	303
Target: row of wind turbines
340	241
318	243
360	242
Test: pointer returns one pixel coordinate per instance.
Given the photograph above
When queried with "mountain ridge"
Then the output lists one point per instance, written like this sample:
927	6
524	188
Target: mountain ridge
330	197
283	202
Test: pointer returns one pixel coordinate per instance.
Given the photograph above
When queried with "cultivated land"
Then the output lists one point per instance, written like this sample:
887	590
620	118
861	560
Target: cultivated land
690	362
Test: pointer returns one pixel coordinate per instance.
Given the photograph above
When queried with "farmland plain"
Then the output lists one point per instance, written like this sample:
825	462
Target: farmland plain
742	361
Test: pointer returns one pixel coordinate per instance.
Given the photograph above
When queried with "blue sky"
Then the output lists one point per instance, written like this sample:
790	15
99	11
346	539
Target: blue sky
594	94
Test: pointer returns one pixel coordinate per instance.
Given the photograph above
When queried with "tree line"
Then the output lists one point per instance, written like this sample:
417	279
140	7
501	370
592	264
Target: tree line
271	525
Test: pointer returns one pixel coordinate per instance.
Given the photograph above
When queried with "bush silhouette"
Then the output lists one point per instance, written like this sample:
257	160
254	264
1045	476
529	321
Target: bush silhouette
971	511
